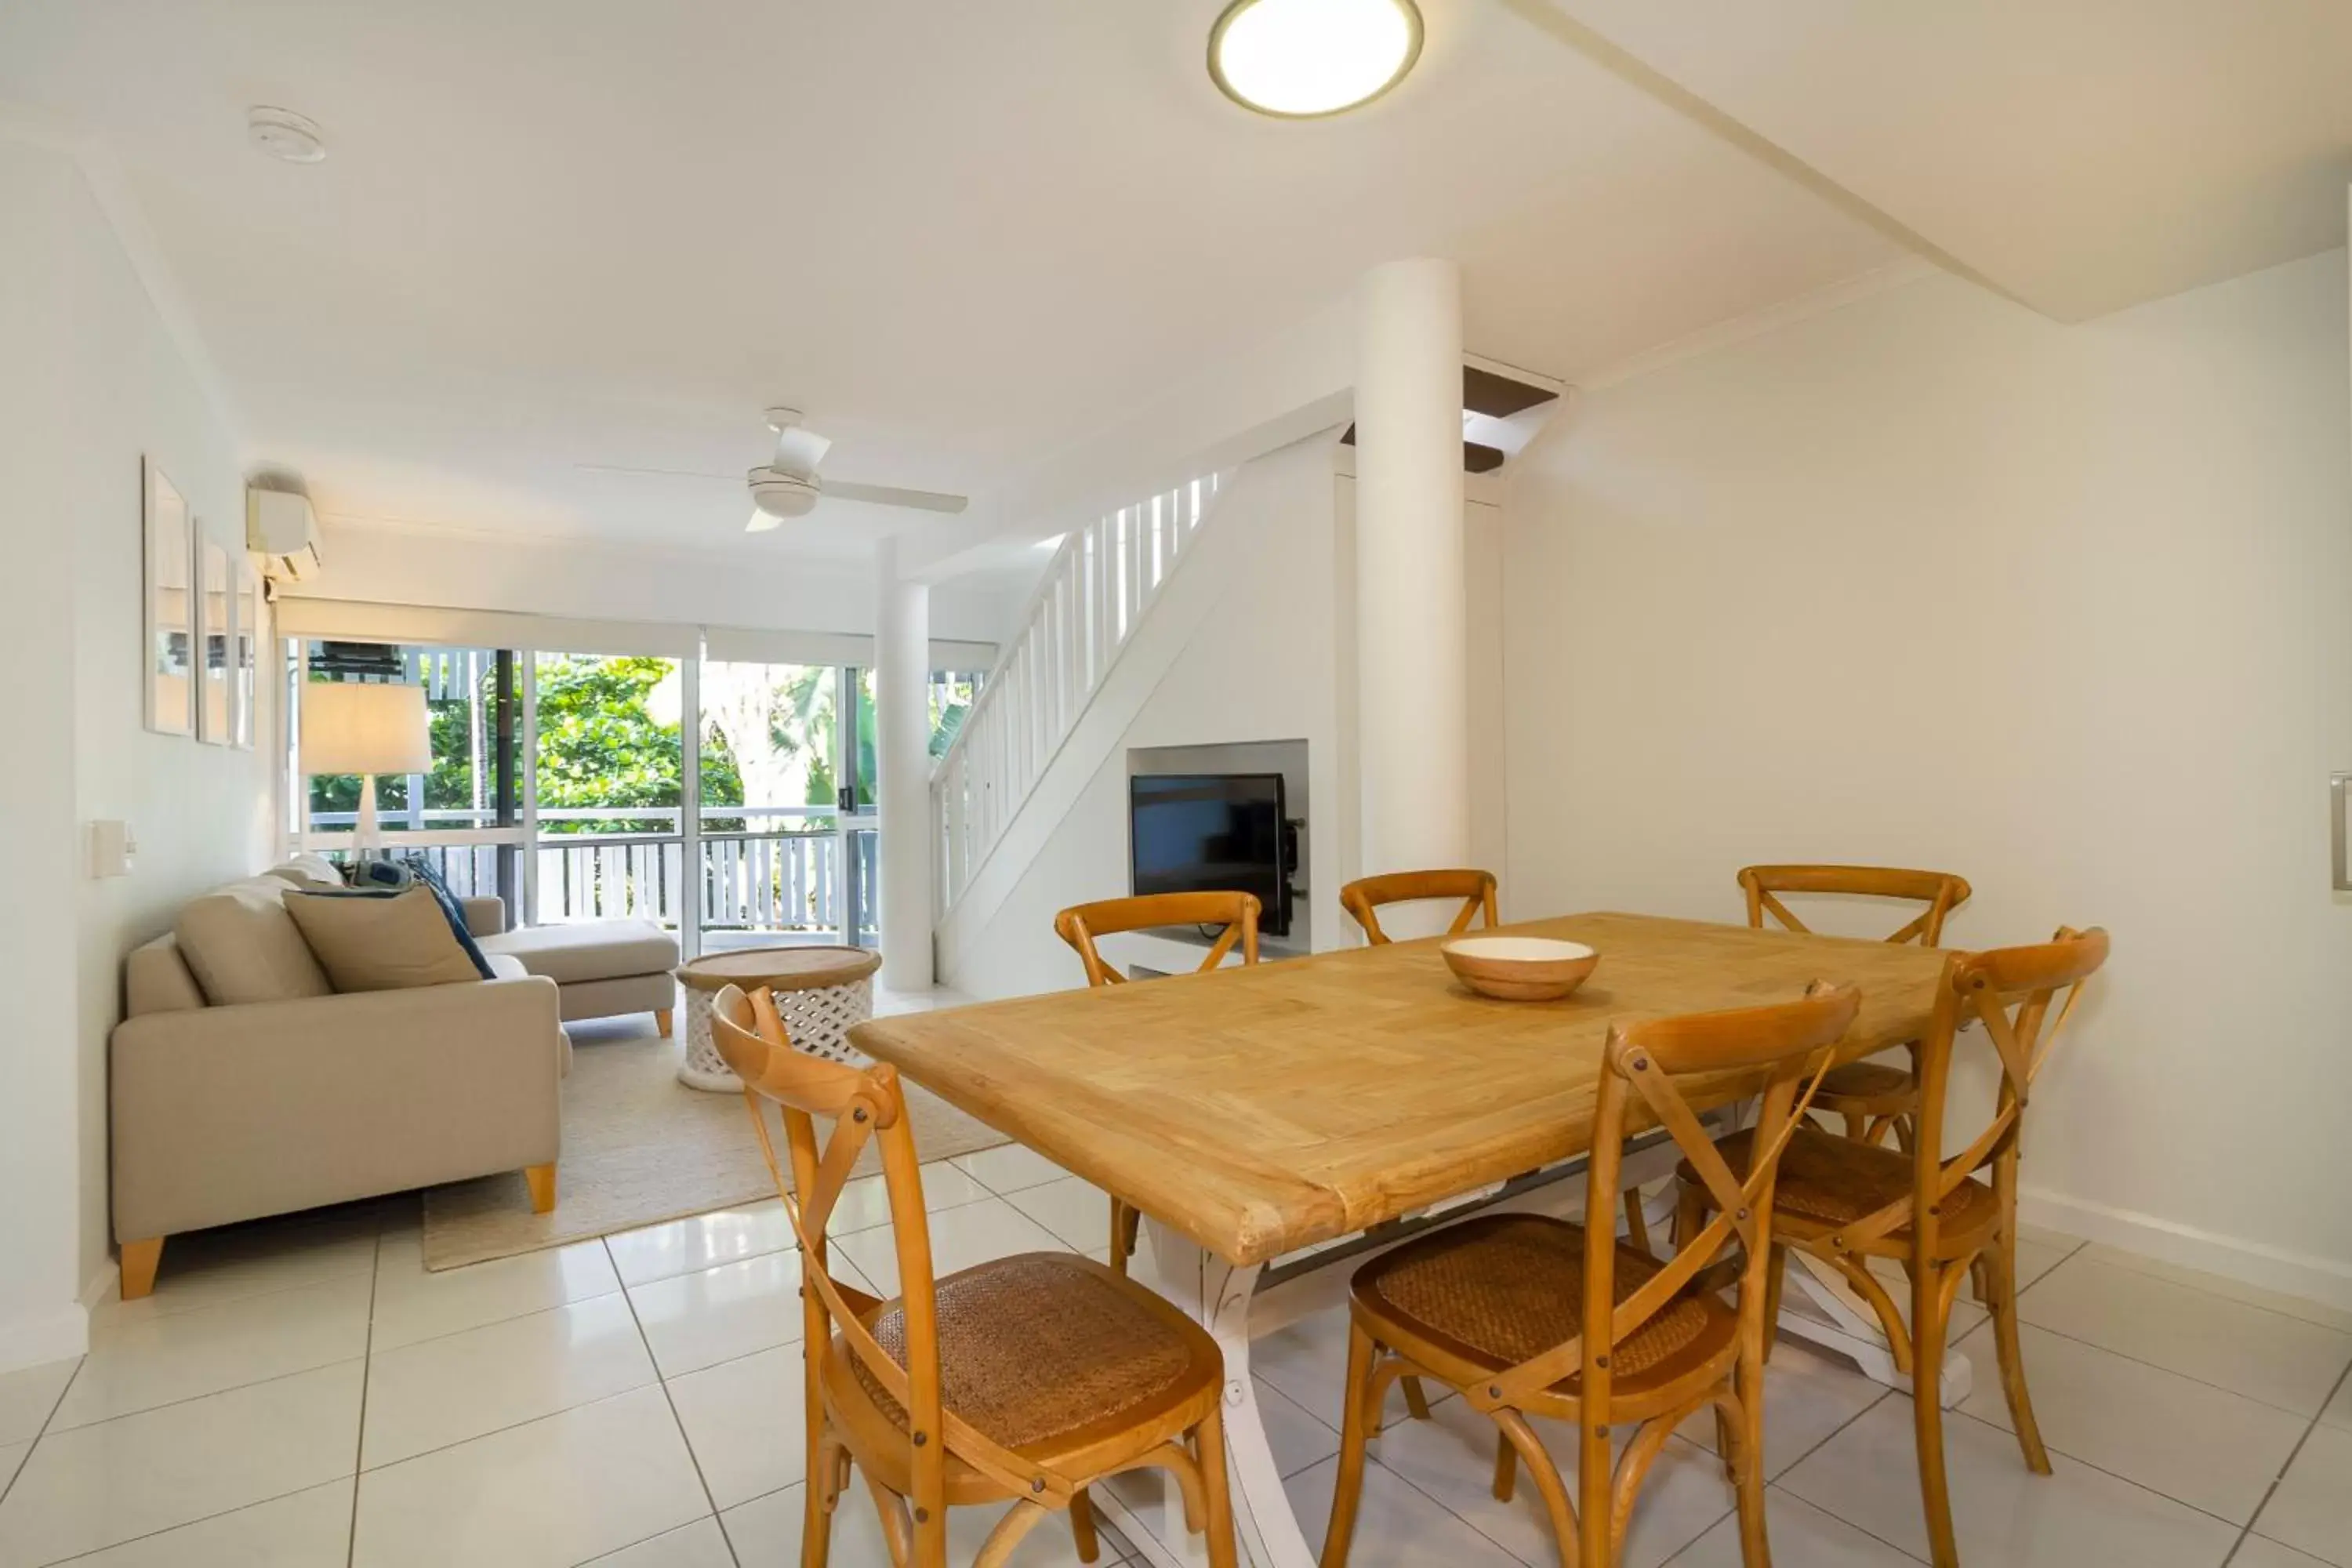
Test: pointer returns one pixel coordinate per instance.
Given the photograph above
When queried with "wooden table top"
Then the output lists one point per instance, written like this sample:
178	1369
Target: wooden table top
779	968
1262	1109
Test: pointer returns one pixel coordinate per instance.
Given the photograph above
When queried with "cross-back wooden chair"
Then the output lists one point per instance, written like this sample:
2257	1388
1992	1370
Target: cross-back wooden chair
1527	1315
1363	898
1024	1380
1945	1218
1873	1099
1081	924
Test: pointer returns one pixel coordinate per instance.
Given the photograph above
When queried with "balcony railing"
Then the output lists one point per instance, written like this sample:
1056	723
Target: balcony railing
752	880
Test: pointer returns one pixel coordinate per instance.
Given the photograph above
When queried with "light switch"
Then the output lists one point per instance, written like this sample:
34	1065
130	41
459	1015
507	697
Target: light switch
111	848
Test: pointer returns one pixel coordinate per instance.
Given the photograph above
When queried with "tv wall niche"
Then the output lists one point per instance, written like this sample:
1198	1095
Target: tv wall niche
1284	759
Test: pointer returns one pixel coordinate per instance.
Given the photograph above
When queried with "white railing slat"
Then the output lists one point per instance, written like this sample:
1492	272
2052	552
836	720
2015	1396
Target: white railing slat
1086	607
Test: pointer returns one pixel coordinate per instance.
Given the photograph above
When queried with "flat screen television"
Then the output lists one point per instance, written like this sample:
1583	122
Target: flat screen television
1191	833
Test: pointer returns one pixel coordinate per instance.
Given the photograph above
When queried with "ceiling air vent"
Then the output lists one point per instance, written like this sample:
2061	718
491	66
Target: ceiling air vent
1492	404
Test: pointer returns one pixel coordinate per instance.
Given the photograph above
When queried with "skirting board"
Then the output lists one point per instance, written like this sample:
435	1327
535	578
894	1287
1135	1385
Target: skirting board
46	1337
2317	1279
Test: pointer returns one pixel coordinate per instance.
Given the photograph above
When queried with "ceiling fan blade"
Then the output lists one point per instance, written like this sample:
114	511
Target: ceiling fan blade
763	523
886	495
799	450
655	473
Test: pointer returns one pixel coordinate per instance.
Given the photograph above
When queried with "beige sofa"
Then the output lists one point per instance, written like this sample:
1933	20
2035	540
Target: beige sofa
243	1086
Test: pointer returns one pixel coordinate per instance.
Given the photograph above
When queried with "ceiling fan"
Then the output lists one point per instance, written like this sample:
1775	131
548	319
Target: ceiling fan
789	486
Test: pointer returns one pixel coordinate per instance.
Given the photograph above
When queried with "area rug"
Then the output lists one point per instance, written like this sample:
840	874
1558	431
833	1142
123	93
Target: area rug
639	1148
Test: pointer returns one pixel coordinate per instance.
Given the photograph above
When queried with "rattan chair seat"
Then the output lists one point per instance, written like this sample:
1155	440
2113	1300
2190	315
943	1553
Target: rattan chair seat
1835	1181
1036	1348
1867	1081
1503	1289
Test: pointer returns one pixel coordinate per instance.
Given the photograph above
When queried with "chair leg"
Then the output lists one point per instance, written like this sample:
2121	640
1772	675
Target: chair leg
817	1520
1507	1469
1209	1438
897	1534
1928	1327
1123	1226
1690	1213
1082	1526
1593	1501
1637	1223
1519	1436
662	1021
1747	1471
542	1186
139	1261
997	1550
1416	1399
1857	1125
1348	1487
1776	1277
2000	1276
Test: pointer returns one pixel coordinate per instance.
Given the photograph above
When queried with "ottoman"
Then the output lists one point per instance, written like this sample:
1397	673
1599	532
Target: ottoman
599	967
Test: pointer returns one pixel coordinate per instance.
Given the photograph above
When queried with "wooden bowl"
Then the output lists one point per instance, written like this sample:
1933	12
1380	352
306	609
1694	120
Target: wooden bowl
1520	968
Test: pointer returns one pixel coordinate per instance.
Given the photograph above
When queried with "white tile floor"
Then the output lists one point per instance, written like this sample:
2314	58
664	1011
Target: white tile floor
303	1393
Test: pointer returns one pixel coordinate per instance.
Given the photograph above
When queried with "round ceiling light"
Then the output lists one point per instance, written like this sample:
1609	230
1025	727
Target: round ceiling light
1301	59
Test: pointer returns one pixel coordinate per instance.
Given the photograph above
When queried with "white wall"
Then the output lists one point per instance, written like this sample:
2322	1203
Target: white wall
597	581
1931	581
89	382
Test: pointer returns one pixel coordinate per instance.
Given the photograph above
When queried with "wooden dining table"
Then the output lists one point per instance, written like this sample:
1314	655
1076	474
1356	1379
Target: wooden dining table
1257	1116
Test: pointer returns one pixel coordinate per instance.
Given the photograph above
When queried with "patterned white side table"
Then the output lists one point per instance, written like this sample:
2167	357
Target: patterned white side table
820	992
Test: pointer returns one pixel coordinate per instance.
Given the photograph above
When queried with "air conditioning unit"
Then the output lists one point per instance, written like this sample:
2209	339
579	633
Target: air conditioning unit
281	528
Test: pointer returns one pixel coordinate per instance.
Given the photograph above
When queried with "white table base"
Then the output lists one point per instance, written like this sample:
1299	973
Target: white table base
1231	1304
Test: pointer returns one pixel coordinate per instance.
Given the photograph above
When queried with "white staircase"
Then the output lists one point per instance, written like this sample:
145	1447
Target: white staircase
1093	596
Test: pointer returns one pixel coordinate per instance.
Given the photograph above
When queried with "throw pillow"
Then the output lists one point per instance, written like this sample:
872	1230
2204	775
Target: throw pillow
369	941
241	946
423	875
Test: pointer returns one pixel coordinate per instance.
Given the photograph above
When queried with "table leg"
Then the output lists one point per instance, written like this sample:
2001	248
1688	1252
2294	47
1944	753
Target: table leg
1845	1326
1266	1531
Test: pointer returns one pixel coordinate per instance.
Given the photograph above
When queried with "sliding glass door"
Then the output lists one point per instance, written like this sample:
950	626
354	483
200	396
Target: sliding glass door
606	783
560	780
772	851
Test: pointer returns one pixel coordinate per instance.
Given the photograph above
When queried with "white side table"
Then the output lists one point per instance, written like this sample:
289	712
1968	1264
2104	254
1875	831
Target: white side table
820	993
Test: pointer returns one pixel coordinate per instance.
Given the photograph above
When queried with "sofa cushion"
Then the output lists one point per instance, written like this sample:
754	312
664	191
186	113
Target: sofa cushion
381	941
307	870
242	946
592	950
156	980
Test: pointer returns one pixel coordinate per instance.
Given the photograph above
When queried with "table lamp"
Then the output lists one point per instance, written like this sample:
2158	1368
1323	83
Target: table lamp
363	728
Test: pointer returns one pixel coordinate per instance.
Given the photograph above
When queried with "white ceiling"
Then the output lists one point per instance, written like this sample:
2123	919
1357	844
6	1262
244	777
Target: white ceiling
2083	155
557	233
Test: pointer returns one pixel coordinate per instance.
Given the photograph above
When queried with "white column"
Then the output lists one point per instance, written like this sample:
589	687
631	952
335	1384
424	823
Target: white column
902	675
1411	618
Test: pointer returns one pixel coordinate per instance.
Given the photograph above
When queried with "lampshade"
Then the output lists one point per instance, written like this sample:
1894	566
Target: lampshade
360	727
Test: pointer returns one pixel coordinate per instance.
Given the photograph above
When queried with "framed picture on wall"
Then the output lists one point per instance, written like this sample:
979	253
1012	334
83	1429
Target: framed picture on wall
245	674
169	682
215	597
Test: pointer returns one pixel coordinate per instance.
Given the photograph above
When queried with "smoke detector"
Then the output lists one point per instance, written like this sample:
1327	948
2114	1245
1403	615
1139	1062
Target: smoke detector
282	134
